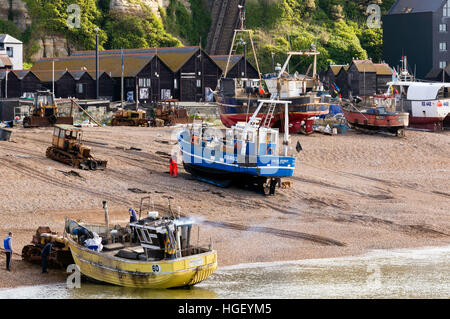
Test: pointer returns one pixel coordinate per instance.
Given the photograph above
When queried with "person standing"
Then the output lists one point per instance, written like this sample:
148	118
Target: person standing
173	165
133	219
45	253
7	244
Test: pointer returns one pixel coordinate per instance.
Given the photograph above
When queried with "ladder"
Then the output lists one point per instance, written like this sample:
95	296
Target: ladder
269	116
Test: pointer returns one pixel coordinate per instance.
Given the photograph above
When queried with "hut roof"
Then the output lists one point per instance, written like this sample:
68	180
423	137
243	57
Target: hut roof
364	66
133	64
47	75
383	69
221	61
5	61
415	6
173	57
3	74
436	74
336	68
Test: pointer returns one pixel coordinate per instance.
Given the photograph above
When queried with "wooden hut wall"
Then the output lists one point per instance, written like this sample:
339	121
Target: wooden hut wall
382	81
30	83
211	73
239	70
64	86
361	83
189	91
328	78
88	85
106	86
165	81
155	82
342	81
12	86
148	84
129	87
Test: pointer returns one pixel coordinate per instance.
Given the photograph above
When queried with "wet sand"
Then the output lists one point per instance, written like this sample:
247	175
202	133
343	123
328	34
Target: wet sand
350	194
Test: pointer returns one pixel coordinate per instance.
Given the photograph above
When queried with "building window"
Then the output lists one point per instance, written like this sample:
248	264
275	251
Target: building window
199	83
2	46
79	88
443	27
443	46
10	52
144	82
175	84
129	82
447	9
442	64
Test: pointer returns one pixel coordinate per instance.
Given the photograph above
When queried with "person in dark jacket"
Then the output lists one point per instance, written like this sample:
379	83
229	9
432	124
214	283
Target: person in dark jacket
7	243
45	253
133	219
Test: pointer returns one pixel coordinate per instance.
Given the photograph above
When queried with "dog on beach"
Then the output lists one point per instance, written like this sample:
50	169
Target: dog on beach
287	184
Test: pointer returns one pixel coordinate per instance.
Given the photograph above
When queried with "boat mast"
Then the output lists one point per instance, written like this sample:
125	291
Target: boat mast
312	52
243	30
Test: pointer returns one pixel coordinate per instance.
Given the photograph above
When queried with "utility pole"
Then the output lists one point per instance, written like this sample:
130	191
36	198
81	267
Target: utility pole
97	90
6	84
121	81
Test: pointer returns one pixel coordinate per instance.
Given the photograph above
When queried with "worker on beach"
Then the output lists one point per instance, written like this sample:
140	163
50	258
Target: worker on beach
133	216
133	219
7	244
173	165
45	253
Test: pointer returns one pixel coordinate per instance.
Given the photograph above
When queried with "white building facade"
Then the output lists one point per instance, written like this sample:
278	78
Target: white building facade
14	49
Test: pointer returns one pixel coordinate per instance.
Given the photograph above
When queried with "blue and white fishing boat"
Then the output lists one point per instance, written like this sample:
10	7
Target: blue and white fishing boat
247	152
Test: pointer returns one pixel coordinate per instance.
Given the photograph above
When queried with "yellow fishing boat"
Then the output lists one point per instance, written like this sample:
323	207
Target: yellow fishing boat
152	252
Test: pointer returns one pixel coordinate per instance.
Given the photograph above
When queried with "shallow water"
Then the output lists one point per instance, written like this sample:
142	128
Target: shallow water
402	273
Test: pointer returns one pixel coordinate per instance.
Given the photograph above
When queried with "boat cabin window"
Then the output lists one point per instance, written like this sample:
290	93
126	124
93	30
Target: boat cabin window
56	132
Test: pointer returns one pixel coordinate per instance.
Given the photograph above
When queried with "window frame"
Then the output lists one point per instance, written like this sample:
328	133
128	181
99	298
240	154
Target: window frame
446	9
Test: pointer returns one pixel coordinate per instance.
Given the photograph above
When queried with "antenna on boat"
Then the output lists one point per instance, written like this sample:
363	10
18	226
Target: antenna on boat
243	30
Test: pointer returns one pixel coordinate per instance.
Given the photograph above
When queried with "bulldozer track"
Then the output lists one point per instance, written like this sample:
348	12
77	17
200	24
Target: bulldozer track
25	170
277	232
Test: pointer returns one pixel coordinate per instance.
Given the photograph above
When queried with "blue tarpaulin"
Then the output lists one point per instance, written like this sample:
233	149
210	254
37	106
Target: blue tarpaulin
334	109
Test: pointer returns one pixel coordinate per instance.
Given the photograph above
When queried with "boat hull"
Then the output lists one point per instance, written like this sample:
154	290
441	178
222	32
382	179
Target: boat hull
217	162
234	110
181	272
389	122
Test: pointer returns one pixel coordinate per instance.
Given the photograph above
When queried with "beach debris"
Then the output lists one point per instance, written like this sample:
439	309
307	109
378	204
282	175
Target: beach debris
5	135
71	173
19	155
137	191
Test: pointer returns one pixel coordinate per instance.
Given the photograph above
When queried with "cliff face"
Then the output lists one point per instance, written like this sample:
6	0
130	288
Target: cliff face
51	46
45	42
134	7
17	10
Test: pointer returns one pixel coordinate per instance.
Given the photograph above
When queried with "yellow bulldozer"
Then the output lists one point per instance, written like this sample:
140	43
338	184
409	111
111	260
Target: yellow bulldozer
45	112
130	118
60	255
68	149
